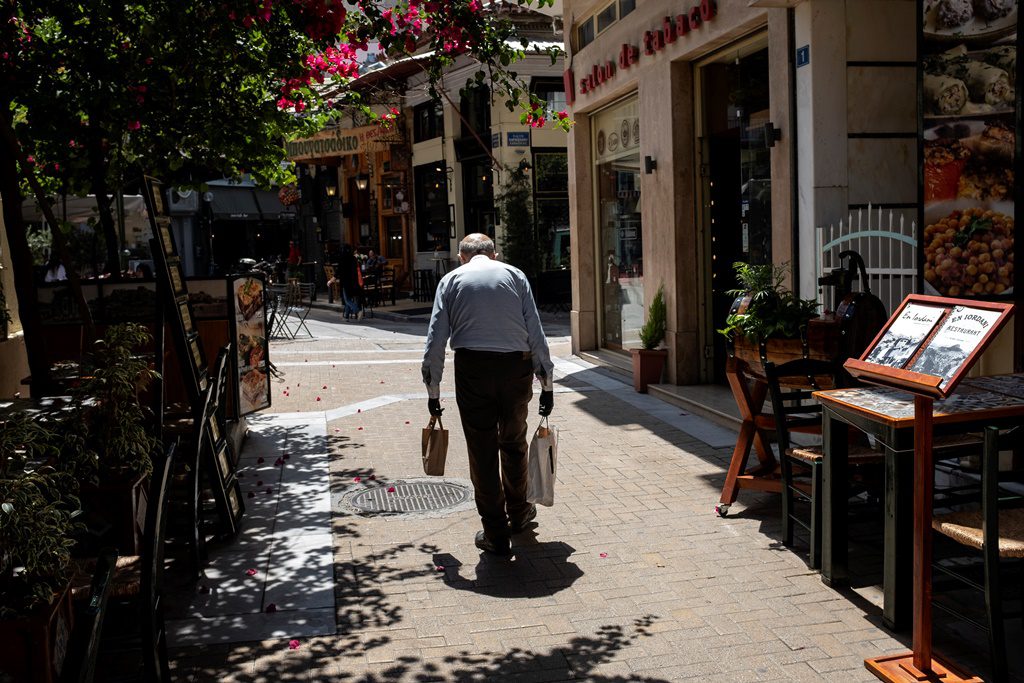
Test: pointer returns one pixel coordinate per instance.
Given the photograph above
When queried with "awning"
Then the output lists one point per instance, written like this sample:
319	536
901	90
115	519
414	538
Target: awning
269	204
234	204
81	209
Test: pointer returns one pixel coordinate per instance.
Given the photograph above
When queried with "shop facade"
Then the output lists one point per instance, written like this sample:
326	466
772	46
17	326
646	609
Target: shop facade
714	132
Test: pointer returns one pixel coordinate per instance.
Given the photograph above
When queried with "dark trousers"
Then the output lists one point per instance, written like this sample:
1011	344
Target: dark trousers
493	392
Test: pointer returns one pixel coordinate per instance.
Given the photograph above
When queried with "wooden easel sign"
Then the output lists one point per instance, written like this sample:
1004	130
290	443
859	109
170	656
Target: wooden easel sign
930	343
926	348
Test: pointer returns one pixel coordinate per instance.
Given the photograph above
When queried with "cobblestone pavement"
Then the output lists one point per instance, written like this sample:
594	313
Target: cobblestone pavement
629	577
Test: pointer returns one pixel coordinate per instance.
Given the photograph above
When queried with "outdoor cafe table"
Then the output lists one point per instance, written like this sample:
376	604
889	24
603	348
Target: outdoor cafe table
888	416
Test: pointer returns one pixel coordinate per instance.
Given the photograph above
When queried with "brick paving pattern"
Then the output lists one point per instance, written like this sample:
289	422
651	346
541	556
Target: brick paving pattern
629	577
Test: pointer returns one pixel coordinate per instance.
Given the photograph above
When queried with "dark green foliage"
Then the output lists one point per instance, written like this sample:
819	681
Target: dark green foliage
773	311
653	331
519	244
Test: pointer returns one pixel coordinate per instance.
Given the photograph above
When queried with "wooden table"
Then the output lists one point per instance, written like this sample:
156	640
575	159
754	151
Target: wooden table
888	416
749	393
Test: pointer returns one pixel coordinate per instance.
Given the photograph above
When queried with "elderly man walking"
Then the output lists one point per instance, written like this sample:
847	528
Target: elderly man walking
487	310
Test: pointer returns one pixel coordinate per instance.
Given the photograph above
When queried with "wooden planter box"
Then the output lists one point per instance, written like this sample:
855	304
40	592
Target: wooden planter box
823	342
648	366
34	646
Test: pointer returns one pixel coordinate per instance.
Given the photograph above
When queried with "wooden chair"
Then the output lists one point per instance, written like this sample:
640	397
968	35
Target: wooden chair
998	532
333	284
791	412
80	663
386	285
137	592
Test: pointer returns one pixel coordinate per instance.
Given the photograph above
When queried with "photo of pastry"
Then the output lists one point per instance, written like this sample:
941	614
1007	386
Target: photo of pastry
251	346
958	20
959	82
249	297
253	392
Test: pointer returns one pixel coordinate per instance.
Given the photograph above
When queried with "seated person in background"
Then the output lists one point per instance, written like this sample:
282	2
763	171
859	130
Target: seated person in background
373	261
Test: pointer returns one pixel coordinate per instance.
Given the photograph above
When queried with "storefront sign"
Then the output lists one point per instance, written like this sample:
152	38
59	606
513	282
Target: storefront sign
495	140
335	142
673	27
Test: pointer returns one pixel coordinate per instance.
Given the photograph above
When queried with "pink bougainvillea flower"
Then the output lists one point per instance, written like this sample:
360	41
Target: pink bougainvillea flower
318	398
603	555
336	429
360	429
271	608
250	572
134	125
324	386
259	460
357	479
293	645
391	489
270	489
382	381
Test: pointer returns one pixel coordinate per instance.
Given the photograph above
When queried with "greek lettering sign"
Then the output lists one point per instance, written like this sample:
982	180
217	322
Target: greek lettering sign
334	142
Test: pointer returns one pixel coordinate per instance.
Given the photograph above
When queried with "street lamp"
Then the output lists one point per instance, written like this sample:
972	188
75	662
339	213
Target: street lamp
362	181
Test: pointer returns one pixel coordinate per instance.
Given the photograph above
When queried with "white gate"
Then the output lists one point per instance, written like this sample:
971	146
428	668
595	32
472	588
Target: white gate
888	247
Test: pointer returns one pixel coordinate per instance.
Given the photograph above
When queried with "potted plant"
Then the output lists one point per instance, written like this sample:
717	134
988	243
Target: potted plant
649	361
38	506
114	421
768	322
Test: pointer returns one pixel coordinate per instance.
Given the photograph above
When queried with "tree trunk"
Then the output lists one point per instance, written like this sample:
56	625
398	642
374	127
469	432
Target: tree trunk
21	261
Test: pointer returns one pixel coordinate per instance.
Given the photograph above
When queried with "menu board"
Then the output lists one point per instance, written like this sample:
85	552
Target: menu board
929	343
248	317
968	81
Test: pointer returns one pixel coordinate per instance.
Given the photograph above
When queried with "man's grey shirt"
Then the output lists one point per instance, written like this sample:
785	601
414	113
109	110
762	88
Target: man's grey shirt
484	305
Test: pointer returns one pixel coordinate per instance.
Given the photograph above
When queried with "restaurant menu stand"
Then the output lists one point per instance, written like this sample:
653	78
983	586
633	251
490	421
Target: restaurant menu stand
173	290
925	349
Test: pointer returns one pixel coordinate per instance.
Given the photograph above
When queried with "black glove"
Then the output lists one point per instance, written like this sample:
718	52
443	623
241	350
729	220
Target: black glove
434	406
547	402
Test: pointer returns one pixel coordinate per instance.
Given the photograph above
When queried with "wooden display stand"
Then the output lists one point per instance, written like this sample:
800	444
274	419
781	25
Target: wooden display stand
925	349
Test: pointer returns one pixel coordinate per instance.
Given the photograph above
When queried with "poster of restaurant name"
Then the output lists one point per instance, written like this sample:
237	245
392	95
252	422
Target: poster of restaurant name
955	341
249	339
968	85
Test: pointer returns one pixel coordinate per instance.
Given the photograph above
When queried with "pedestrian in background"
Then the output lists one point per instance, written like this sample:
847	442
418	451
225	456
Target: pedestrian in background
351	283
485	307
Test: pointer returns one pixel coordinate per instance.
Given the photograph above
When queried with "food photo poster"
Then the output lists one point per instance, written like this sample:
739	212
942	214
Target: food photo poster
968	85
249	338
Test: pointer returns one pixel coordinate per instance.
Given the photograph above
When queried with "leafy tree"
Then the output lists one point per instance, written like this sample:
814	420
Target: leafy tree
519	244
94	94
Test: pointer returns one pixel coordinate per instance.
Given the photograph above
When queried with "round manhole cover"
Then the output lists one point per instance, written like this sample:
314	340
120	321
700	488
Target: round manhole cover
422	496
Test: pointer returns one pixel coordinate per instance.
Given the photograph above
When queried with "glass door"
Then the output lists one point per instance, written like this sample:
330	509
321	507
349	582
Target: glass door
736	174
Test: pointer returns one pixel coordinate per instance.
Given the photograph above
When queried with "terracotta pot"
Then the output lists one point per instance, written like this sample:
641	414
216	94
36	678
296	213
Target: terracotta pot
648	366
34	646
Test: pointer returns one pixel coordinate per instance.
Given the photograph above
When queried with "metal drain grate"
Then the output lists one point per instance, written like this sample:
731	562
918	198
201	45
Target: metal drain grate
410	497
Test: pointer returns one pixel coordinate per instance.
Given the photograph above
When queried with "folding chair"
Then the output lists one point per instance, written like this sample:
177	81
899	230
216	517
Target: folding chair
278	320
301	303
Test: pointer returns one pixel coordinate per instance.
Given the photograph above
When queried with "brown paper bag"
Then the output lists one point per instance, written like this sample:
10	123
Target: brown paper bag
435	447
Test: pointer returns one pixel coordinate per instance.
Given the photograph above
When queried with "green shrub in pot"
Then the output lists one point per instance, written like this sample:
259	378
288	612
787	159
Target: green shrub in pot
772	311
112	414
652	333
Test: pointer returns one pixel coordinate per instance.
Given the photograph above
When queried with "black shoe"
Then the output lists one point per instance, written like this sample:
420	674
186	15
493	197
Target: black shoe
526	523
503	547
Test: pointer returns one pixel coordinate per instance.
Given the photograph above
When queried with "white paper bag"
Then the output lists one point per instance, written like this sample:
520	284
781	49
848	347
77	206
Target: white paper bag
541	465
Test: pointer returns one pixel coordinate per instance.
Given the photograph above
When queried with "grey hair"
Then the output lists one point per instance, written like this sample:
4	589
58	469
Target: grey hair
476	244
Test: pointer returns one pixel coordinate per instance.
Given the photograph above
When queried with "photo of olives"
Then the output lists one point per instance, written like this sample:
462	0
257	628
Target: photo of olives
968	250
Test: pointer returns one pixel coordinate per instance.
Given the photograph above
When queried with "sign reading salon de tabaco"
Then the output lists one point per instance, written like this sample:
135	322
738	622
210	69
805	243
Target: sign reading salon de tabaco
334	142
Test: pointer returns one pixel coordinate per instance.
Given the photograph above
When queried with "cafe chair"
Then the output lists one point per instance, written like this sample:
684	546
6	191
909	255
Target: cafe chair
136	595
795	410
996	529
333	285
84	646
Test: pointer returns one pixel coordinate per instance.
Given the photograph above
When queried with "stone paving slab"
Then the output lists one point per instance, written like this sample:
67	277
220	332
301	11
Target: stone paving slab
630	576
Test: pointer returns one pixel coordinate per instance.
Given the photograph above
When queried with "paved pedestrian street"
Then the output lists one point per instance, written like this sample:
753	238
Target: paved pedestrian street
630	576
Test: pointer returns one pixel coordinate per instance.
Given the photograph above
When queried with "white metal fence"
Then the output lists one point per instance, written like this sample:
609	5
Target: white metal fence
888	245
